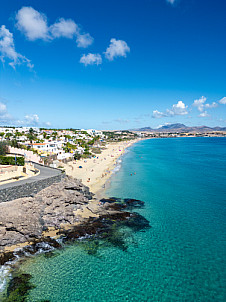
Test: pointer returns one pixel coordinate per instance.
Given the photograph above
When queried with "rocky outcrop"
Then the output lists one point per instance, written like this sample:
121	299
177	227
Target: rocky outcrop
67	211
25	219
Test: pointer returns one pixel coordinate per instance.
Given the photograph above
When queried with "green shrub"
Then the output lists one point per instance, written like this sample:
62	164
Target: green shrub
96	150
10	160
77	156
3	148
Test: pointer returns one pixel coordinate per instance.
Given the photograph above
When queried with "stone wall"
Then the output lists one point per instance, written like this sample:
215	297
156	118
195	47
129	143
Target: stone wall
28	189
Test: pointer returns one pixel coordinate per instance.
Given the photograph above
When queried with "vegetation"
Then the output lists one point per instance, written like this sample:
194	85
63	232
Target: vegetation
31	136
119	136
86	154
77	156
3	148
14	143
96	150
10	160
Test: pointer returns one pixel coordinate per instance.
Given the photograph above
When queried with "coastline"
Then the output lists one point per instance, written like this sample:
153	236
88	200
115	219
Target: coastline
100	168
95	172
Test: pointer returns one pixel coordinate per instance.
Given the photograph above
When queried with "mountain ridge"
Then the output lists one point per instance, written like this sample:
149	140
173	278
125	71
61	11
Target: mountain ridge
178	127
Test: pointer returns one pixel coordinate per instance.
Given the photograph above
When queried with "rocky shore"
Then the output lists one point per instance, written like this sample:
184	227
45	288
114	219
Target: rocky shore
57	216
25	219
67	210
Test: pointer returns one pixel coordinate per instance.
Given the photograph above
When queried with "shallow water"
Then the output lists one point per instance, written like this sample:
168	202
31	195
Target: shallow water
181	258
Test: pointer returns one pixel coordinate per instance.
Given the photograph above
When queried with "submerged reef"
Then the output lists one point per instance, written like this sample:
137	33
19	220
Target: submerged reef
108	227
19	287
75	217
113	218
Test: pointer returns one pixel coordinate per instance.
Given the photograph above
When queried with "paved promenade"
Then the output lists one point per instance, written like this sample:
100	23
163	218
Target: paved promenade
45	173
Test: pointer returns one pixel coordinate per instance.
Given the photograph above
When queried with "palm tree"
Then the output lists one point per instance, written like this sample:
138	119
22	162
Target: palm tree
31	135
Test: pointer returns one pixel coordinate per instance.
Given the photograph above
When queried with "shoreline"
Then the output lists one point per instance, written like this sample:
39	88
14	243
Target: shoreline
96	172
67	211
103	164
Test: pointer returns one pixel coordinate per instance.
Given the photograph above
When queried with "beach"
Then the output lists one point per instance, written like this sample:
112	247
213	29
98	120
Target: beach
94	172
181	255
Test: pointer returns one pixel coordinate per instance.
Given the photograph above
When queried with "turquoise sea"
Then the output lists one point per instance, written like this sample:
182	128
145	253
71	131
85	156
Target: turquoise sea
182	257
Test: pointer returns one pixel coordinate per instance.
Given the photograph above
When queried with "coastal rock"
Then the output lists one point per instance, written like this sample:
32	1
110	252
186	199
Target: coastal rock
67	210
24	219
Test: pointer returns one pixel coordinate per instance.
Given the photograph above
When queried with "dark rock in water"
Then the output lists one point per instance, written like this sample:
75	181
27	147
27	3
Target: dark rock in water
5	257
24	220
18	288
91	246
111	200
107	227
134	203
50	254
120	204
137	222
44	244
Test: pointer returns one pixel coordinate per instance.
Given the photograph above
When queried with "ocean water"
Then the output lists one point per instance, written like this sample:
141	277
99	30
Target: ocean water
182	257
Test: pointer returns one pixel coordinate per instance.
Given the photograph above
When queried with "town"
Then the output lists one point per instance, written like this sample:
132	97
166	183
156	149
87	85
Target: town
62	145
52	145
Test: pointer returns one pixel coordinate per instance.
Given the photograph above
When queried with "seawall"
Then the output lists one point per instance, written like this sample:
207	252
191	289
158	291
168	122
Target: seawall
28	189
31	186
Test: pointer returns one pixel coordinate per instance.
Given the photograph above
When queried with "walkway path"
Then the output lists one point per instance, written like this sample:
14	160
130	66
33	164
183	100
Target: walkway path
45	172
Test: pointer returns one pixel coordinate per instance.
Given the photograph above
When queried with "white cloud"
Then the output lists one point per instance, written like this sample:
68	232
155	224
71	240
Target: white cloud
223	101
84	40
2	108
64	28
28	120
32	23
7	49
158	114
204	114
117	48
165	124
213	105
32	119
177	109
4	115
121	121
91	59
48	124
200	104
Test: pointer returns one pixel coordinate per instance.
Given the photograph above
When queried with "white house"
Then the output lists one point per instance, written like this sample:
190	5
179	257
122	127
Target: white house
45	147
94	132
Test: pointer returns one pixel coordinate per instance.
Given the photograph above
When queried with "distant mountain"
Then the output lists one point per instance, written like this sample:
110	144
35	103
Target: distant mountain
181	128
148	129
172	126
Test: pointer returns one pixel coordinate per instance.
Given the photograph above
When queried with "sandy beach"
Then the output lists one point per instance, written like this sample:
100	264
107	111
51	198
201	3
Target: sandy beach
96	171
93	174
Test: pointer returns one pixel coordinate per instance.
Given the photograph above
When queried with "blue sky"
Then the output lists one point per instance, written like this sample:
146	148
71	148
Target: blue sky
112	64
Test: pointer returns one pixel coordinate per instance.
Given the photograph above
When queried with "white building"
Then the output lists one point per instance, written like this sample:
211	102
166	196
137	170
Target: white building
45	147
94	132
